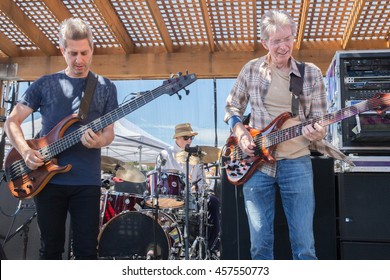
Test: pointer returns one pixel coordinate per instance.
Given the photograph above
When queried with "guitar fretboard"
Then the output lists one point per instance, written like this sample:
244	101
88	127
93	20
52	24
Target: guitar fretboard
282	135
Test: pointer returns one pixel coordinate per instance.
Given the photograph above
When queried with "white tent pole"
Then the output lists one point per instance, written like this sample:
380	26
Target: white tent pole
140	156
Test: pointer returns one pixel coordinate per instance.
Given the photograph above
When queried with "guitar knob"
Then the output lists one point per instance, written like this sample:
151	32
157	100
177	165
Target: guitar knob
32	179
29	186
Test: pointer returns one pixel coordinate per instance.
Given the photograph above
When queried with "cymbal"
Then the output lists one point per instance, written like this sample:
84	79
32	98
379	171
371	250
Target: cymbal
130	174
110	164
182	158
210	154
207	155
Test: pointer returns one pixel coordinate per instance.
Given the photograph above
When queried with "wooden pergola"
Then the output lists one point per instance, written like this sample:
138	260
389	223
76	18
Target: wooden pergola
149	39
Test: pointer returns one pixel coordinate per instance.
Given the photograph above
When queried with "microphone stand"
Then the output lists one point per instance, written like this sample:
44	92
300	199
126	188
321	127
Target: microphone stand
186	208
25	227
190	151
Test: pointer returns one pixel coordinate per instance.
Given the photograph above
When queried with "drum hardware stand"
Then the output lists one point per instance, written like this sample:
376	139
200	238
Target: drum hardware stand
201	241
156	210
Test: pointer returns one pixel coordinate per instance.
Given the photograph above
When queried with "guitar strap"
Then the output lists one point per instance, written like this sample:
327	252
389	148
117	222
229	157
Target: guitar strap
86	99
296	87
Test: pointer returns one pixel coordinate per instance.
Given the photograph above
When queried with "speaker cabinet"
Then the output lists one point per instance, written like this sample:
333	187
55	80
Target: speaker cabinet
364	251
21	230
364	206
235	240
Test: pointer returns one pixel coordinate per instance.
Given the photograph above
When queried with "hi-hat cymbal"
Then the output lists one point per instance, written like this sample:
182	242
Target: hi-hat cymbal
110	164
130	174
207	155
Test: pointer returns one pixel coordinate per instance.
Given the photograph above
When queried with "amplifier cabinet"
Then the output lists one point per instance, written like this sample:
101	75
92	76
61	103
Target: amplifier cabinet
353	77
364	251
364	207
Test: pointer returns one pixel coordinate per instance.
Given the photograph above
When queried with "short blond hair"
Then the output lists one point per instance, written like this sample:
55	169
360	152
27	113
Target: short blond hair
74	29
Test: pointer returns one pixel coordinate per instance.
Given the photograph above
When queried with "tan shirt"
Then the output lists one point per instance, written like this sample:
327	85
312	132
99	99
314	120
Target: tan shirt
278	101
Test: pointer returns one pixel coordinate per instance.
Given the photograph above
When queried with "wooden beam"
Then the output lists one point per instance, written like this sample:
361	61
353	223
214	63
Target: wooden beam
59	10
352	21
116	25
302	23
159	21
15	14
160	65
8	47
206	20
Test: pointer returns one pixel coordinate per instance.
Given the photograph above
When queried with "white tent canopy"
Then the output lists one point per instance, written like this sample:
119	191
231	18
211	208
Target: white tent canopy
131	143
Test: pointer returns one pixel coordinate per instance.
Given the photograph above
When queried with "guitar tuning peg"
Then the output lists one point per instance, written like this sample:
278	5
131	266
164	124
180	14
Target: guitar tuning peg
186	72
178	95
179	74
187	91
171	76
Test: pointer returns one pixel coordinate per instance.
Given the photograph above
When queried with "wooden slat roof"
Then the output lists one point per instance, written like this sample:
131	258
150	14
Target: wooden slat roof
141	39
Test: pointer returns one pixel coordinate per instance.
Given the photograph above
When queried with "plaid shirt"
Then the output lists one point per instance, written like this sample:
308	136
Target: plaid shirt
251	87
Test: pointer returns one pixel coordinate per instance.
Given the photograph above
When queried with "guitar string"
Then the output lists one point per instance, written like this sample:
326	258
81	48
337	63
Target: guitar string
18	168
285	134
121	112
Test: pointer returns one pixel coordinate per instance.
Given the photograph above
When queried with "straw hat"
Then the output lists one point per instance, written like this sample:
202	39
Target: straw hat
184	129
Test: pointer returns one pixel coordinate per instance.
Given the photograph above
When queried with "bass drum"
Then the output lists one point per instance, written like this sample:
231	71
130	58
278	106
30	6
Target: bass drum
129	235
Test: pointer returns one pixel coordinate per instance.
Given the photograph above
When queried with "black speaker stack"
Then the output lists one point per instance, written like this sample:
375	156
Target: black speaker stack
364	208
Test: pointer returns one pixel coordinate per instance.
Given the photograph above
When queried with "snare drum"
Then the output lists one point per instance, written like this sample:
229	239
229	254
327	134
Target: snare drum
112	203
169	187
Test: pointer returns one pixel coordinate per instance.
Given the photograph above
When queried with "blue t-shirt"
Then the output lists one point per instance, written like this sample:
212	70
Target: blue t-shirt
57	96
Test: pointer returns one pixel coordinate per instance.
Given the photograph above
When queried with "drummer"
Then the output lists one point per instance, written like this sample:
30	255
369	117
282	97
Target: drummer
184	135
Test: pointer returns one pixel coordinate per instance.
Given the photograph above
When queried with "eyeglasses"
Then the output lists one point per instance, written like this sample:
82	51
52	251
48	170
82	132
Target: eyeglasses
188	137
275	43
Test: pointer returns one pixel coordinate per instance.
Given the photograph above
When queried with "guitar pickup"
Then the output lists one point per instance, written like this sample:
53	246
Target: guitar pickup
20	191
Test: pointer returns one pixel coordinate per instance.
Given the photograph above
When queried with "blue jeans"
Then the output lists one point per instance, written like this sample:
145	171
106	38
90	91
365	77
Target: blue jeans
295	180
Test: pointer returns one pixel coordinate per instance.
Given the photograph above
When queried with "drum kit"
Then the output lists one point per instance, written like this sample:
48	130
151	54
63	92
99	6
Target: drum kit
155	216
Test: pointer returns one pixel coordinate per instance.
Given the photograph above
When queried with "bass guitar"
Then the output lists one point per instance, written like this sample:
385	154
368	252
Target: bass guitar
26	183
240	167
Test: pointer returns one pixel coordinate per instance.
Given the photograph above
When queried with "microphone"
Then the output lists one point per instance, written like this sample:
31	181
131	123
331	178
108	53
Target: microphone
192	150
196	182
161	160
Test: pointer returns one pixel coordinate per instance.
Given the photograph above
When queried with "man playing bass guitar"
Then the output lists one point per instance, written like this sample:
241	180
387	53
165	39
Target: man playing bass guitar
77	189
264	84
